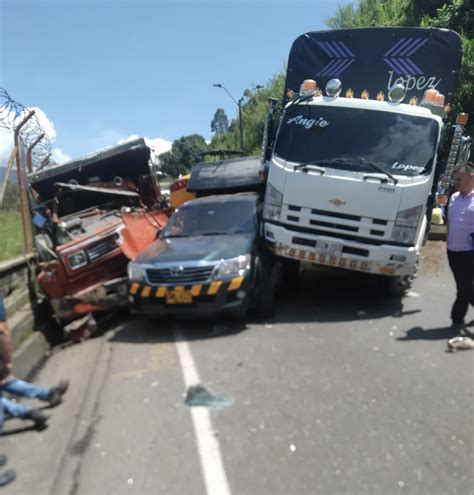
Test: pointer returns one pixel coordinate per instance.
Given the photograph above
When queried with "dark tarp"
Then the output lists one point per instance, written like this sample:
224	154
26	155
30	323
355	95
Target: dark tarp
375	58
130	159
233	175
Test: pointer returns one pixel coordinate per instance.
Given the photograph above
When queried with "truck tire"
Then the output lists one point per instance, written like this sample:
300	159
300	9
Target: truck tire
264	291
398	286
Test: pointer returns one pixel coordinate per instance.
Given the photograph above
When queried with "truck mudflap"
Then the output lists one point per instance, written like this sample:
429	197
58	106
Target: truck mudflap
105	297
384	259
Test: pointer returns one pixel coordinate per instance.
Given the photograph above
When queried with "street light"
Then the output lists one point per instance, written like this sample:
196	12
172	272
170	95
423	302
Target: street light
239	104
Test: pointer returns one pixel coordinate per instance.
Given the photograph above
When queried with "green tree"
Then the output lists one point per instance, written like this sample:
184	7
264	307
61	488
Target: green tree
220	122
185	152
372	13
254	110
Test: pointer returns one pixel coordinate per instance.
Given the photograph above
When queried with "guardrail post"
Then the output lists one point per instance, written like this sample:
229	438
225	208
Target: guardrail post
24	204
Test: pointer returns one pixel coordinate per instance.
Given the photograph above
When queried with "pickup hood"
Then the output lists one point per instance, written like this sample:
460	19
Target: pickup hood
341	194
199	248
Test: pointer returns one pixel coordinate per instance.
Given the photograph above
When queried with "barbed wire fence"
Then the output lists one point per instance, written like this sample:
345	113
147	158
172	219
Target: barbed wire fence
25	147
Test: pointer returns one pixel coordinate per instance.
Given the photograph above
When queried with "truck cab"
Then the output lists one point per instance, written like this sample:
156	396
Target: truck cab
352	162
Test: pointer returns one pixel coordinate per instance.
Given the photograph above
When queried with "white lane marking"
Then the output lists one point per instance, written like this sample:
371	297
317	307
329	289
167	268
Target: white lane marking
208	446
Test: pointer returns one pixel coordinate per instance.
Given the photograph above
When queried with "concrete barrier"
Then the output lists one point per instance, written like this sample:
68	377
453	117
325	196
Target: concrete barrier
19	288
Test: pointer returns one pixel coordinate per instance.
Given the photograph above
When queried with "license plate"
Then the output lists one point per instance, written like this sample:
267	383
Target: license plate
329	247
179	297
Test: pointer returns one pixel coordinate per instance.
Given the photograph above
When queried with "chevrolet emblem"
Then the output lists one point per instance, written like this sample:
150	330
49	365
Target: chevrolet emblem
337	202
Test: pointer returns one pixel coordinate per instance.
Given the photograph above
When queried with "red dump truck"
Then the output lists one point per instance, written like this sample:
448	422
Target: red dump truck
92	216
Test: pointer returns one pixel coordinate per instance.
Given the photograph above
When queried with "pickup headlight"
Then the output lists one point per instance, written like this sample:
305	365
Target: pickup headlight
77	260
406	224
233	267
135	272
272	203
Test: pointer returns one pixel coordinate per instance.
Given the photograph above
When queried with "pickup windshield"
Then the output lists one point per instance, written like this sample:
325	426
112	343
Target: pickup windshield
355	139
212	218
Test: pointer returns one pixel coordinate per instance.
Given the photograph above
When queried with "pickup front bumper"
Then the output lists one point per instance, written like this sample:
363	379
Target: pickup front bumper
206	298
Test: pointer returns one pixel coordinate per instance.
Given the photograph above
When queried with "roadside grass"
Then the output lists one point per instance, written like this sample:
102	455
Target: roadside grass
11	234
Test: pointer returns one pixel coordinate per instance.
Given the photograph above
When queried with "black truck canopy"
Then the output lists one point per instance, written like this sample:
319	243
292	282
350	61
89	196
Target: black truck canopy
376	58
130	159
226	176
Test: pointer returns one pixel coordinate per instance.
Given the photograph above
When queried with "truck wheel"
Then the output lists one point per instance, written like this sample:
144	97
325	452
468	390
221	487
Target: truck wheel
291	276
398	286
264	291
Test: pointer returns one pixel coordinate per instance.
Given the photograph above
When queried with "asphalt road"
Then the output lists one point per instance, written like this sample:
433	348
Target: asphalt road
342	392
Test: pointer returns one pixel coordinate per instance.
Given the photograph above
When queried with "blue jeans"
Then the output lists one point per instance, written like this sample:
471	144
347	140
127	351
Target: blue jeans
23	389
14	409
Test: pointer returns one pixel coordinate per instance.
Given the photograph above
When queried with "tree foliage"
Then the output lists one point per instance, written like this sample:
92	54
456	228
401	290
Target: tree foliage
371	13
184	153
254	109
220	123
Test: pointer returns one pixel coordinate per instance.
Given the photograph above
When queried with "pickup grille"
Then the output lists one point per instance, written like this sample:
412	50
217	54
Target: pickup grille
174	275
101	249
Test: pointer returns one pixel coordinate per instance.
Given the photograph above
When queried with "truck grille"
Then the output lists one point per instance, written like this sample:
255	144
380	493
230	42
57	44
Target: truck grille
101	249
337	224
177	274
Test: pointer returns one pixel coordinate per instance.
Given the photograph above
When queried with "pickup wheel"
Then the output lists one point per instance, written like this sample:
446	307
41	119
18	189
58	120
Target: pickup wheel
264	291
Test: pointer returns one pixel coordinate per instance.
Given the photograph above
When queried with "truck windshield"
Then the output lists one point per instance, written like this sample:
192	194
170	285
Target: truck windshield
212	218
357	139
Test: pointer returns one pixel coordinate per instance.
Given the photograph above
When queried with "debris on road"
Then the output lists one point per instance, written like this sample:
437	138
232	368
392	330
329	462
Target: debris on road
199	396
460	343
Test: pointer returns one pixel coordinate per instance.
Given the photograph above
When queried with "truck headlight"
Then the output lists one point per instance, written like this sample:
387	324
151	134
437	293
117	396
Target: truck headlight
405	235
406	224
272	203
233	266
135	272
77	260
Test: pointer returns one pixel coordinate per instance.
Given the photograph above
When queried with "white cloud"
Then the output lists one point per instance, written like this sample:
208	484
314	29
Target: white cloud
59	156
46	124
6	143
158	145
30	129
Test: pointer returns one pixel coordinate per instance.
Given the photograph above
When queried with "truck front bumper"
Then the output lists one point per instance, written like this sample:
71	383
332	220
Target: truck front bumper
383	259
105	297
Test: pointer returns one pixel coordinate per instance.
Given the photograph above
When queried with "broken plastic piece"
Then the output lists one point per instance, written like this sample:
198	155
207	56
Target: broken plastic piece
199	396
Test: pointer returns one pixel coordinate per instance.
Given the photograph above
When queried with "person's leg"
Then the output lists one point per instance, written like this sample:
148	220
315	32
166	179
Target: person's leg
459	262
14	409
1	412
24	389
18	410
7	476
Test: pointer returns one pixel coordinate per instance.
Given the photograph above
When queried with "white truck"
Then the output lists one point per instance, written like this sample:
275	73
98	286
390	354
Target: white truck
354	157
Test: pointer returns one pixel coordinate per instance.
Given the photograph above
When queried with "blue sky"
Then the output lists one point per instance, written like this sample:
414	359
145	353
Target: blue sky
104	70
